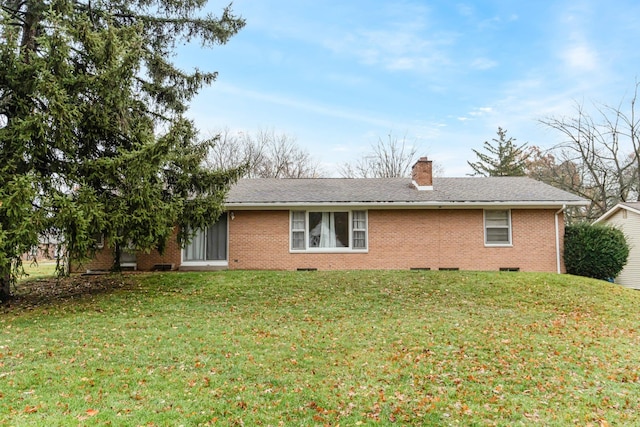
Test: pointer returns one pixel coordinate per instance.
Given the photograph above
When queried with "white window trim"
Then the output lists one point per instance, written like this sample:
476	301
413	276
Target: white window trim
509	226
205	263
307	249
216	263
302	230
365	229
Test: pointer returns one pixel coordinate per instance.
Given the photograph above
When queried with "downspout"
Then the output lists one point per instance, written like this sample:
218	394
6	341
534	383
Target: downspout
558	263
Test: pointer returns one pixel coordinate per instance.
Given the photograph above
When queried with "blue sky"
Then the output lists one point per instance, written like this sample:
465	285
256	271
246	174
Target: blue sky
338	75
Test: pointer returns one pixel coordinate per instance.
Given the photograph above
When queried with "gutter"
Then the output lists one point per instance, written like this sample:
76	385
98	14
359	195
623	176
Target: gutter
416	205
557	215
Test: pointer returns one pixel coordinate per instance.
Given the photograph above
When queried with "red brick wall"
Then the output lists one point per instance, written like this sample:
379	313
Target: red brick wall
103	259
171	255
401	239
398	239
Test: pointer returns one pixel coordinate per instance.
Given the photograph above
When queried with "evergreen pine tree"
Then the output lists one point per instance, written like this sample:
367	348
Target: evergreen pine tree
93	137
503	157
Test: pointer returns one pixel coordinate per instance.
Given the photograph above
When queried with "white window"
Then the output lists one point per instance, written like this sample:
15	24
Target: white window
359	229
497	227
297	229
330	231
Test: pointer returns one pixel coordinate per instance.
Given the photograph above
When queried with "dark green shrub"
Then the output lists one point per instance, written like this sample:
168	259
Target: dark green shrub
594	250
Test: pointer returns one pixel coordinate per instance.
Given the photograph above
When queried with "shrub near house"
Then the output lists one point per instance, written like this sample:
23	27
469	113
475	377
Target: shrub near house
625	216
511	223
595	250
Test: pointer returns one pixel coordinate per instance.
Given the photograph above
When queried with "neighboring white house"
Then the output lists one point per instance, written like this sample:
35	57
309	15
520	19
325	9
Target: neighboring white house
626	217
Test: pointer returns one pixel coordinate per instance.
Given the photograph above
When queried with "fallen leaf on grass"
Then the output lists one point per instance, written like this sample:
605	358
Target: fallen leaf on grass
89	413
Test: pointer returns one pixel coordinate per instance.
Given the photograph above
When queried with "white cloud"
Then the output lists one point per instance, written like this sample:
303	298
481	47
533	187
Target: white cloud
476	113
481	111
402	63
300	104
580	57
465	9
483	64
578	47
404	41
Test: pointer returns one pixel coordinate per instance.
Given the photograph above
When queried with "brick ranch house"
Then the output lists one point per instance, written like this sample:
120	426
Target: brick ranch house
496	223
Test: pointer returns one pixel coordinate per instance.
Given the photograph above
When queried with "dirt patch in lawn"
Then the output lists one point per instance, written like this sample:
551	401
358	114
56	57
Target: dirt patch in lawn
38	292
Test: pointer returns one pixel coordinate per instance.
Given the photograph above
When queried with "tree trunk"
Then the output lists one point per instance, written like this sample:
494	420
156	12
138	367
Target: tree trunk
5	283
116	258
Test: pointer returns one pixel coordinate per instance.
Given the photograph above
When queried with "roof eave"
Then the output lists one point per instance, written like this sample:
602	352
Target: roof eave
390	205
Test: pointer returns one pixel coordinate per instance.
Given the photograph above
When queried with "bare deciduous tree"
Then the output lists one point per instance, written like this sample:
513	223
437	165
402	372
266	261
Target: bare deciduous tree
392	158
560	172
266	154
605	153
228	150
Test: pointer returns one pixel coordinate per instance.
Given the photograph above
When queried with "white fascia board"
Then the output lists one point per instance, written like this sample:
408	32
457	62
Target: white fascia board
608	213
629	208
615	209
406	205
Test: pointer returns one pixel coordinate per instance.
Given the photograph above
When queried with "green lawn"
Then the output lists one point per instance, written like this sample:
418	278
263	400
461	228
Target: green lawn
38	270
326	348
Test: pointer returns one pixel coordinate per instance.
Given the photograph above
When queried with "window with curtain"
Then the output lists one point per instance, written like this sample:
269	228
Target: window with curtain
497	227
209	244
317	230
298	221
359	230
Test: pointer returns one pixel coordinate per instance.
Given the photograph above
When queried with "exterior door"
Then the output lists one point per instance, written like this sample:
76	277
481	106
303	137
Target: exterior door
208	246
217	240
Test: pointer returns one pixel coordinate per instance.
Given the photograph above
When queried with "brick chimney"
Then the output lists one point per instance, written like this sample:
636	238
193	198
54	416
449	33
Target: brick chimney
421	174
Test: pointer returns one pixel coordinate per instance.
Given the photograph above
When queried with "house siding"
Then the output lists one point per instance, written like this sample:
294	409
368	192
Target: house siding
402	239
630	226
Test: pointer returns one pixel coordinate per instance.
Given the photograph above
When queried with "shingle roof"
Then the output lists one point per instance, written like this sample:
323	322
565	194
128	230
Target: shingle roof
380	191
